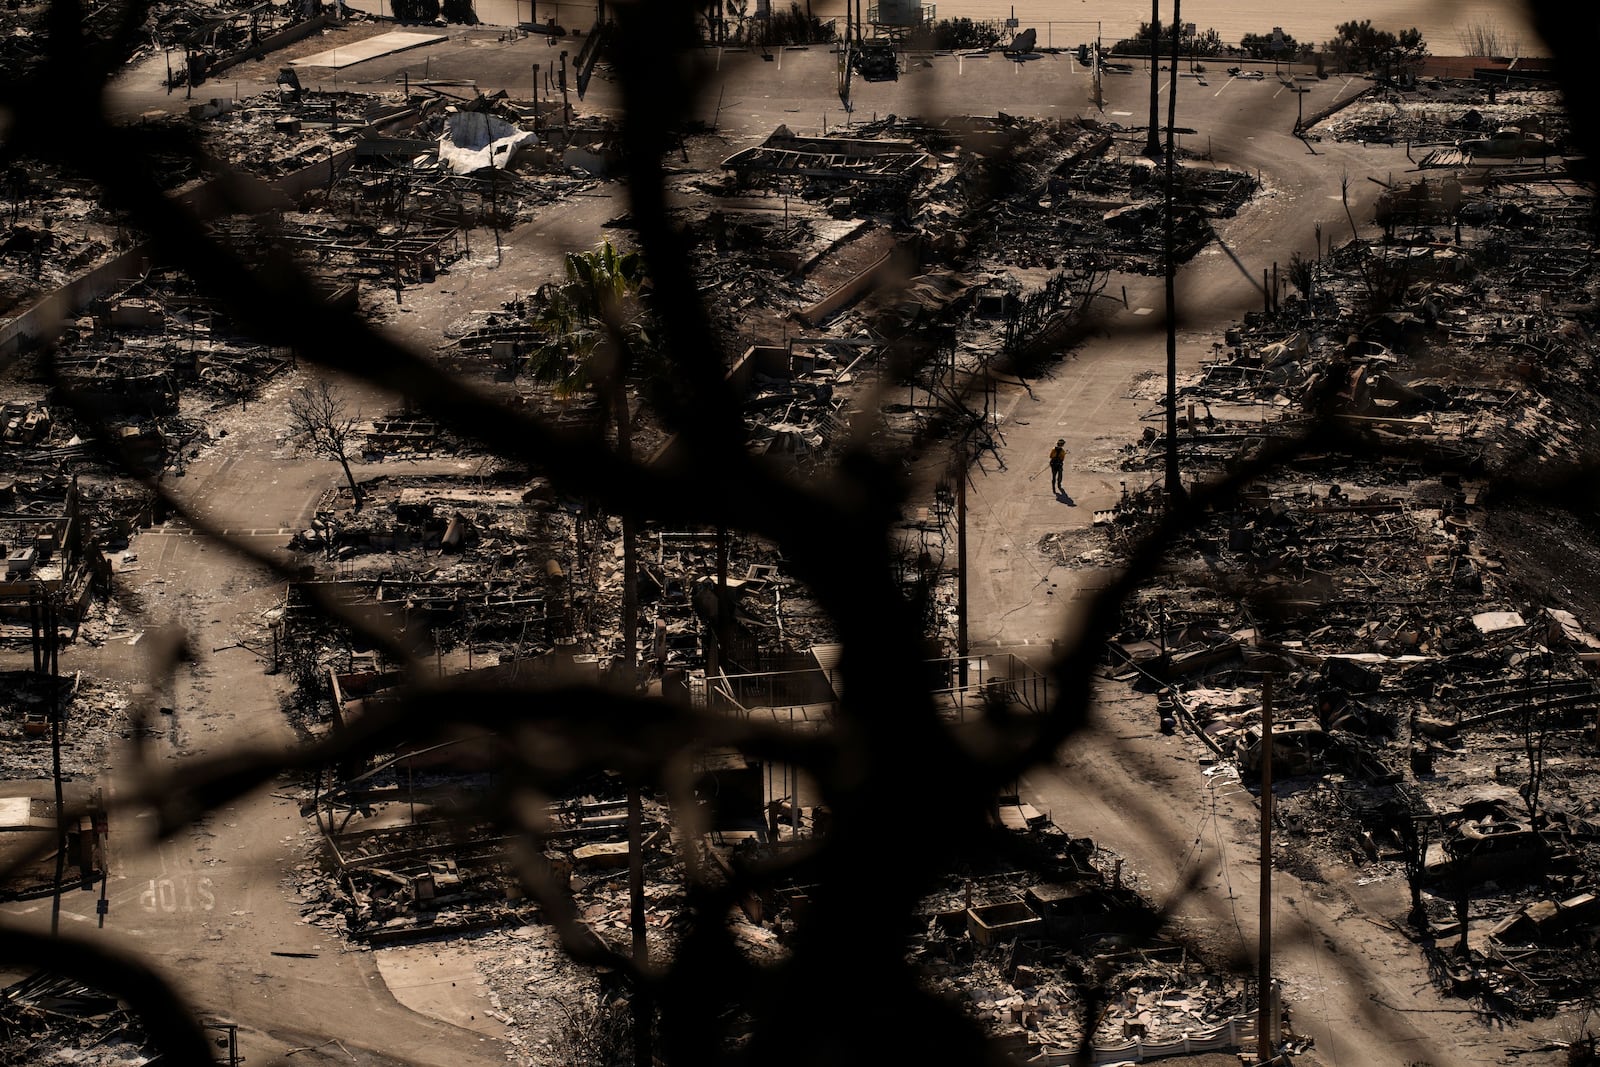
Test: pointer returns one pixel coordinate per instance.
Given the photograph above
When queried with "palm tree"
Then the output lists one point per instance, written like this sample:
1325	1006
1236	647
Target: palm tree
598	285
602	278
577	315
592	337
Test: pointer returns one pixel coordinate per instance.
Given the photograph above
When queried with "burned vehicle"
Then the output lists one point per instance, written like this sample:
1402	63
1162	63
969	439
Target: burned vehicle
1506	144
1491	841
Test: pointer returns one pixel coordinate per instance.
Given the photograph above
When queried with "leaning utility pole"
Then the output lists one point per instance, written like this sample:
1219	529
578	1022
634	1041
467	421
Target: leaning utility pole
1152	142
52	654
566	108
1174	483
1264	964
1099	97
642	1007
961	562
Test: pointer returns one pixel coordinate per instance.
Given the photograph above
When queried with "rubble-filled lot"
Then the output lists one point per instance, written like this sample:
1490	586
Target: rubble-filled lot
1432	687
1420	653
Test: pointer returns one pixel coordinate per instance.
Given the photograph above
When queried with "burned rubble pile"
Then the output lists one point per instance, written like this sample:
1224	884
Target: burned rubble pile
1425	345
474	162
479	562
1435	708
407	857
1443	121
275	134
1018	940
1430	724
94	716
1066	199
52	227
507	571
46	1018
25	34
485	613
146	348
50	555
56	227
53	466
554	1008
132	384
1069	193
386	189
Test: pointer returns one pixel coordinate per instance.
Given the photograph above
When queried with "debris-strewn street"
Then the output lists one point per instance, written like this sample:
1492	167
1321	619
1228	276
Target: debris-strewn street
381	735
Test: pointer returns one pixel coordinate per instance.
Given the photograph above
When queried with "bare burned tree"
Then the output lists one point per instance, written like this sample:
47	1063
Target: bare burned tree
1485	37
1416	831
321	423
1534	724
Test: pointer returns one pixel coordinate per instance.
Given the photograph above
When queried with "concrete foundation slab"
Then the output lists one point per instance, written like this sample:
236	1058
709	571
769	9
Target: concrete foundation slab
382	45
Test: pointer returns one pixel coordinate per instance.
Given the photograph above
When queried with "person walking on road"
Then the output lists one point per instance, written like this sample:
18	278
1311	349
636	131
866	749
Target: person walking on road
1058	460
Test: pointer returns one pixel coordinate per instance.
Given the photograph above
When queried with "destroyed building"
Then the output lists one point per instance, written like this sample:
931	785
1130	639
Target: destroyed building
1429	680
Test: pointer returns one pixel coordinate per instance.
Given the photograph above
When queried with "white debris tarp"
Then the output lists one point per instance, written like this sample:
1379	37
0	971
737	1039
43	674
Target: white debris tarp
1564	624
1490	622
474	141
1297	344
1379	657
16	813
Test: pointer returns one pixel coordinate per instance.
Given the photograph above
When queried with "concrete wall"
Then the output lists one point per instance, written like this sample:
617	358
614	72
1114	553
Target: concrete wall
47	315
850	291
272	43
1336	107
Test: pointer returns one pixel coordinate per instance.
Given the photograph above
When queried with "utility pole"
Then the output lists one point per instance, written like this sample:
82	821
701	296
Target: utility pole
1264	1019
494	213
961	562
1173	481
566	109
642	1009
48	609
1152	142
1099	97
721	634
